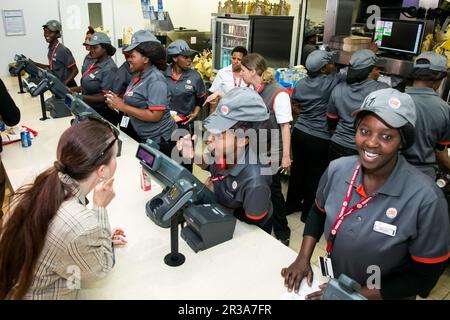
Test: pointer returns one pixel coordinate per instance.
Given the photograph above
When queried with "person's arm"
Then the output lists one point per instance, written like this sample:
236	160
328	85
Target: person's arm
443	157
150	114
332	113
283	114
296	107
257	204
10	113
286	140
92	99
73	73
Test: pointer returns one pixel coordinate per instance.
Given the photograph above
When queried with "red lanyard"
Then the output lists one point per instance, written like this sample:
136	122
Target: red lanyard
135	82
235	82
260	87
343	213
222	166
89	70
50	60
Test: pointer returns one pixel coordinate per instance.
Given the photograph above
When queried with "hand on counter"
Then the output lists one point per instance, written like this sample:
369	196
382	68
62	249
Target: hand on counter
118	237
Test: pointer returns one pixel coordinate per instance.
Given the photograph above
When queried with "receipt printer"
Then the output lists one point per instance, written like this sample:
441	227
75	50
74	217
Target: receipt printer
207	225
343	288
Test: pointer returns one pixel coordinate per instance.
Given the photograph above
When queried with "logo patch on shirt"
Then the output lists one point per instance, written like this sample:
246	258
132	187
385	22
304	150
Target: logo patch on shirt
95	37
188	81
188	87
129	94
394	103
234	185
224	110
391	213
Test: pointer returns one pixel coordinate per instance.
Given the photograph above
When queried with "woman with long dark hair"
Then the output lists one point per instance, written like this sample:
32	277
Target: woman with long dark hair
51	240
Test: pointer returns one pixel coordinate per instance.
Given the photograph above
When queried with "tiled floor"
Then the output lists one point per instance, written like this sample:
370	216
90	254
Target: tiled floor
440	292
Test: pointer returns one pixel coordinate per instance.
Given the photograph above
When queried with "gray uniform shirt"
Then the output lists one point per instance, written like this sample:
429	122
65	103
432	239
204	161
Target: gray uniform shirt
87	62
313	95
346	99
150	92
409	201
432	126
122	79
60	60
243	187
185	91
97	78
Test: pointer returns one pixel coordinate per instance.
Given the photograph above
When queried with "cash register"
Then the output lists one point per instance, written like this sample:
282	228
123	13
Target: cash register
184	199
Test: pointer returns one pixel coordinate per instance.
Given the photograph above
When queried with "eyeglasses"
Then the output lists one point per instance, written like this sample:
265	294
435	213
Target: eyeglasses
103	121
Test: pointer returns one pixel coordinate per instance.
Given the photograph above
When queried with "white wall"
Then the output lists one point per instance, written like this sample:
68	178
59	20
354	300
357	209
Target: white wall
316	10
191	14
33	44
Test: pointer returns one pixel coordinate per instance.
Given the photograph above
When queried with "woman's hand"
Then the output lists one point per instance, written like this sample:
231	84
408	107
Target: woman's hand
318	294
209	184
286	162
104	193
118	237
294	274
185	145
114	102
216	95
191	117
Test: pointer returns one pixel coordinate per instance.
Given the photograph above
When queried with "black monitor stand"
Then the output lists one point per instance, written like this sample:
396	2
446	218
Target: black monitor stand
175	258
395	55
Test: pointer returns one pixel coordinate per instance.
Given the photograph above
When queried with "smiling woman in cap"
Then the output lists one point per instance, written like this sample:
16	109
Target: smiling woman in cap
238	180
186	86
60	59
375	209
99	76
347	96
310	136
146	99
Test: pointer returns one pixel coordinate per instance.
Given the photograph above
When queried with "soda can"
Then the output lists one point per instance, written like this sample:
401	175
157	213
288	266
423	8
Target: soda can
146	182
25	138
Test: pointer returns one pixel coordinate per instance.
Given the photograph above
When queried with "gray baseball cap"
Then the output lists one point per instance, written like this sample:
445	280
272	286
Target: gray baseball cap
394	107
98	38
365	58
238	104
53	25
319	58
436	61
180	47
140	37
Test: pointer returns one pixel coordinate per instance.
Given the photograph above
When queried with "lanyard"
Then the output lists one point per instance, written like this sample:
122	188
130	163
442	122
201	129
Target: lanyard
135	82
260	87
50	60
216	167
343	213
89	70
236	84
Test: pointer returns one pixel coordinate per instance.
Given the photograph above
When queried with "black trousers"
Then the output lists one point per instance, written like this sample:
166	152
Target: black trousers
337	151
310	160
279	221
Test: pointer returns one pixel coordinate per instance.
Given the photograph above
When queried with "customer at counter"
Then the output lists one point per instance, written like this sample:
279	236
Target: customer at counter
99	77
433	113
310	136
362	76
51	240
376	209
146	98
238	179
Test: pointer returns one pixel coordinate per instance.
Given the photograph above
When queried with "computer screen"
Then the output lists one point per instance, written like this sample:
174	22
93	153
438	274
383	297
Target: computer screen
400	36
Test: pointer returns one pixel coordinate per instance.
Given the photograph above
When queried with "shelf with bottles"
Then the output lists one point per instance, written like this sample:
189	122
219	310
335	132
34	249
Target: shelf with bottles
234	36
233	42
237	30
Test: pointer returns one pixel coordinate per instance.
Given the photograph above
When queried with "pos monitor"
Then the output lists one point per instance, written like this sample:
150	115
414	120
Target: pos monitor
399	36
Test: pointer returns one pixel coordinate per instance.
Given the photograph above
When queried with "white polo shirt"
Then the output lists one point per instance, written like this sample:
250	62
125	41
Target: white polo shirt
225	81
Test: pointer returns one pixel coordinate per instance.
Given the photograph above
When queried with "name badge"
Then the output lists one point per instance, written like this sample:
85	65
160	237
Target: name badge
385	228
92	76
188	87
124	122
54	59
326	267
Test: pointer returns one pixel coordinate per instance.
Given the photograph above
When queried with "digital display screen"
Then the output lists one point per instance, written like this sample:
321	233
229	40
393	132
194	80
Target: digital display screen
174	193
146	157
399	36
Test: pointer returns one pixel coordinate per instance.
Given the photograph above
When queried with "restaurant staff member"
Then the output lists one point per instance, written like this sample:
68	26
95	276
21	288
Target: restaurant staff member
310	136
186	87
376	209
310	40
60	59
228	77
146	98
238	178
99	77
346	98
433	113
88	60
123	76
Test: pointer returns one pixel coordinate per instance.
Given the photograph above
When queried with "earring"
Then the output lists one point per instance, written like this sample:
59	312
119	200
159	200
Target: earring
102	178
